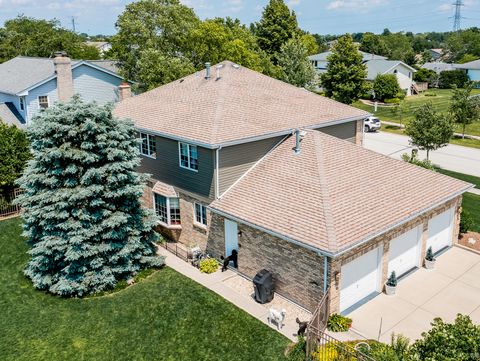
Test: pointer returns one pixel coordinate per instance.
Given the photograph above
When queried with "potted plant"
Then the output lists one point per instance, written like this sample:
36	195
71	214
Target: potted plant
429	259
391	284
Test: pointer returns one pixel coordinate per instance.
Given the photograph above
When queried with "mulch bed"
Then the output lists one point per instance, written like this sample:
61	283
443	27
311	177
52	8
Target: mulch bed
470	240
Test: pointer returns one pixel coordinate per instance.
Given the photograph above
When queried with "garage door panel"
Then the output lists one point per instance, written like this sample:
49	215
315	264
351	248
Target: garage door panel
404	252
440	231
359	278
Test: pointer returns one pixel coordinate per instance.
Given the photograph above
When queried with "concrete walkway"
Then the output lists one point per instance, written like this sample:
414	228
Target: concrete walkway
452	157
219	282
452	287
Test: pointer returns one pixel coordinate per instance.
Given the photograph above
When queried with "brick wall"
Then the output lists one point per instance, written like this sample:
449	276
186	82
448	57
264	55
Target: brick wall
298	272
384	240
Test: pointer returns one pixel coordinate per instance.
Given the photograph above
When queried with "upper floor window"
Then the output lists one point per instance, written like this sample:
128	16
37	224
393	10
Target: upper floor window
200	214
148	146
43	102
395	71
22	103
167	209
188	156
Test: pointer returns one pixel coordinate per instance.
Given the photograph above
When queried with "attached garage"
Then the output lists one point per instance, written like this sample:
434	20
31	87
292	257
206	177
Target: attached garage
440	231
360	278
404	252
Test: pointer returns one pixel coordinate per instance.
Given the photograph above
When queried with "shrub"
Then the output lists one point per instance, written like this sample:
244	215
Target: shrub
208	265
421	163
386	86
429	255
424	75
392	101
392	280
428	94
298	350
466	221
450	78
338	323
449	341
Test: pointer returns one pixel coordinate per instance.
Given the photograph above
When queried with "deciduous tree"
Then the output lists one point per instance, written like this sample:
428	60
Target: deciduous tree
429	130
82	213
464	108
346	73
386	86
14	153
296	68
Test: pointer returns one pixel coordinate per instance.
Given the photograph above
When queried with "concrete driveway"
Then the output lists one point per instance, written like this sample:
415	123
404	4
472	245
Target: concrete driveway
452	287
452	157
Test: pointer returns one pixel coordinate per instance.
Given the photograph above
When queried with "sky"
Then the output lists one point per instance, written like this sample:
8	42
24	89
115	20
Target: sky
316	16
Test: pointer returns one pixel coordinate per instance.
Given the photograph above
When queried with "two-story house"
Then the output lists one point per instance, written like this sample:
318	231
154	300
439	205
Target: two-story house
28	84
241	161
376	65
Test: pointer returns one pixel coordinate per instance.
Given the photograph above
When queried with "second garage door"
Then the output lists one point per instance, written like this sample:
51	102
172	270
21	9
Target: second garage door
440	231
360	278
404	253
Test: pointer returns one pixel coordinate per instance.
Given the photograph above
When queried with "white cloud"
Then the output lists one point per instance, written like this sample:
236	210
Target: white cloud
234	6
292	3
445	7
354	4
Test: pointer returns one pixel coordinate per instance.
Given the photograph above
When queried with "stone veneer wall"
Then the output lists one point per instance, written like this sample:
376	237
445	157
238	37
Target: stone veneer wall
384	239
298	272
190	233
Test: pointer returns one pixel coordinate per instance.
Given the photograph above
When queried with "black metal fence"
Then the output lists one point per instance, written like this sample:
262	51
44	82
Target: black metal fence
177	249
7	208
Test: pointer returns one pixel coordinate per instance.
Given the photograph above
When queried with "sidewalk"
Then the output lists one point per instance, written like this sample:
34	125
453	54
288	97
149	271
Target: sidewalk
219	283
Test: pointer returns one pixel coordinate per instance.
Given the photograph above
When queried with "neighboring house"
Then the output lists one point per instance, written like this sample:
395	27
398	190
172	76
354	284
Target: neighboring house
472	69
102	46
376	65
241	161
28	85
438	67
436	54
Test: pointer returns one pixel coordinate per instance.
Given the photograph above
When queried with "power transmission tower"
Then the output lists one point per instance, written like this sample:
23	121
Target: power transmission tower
73	24
458	16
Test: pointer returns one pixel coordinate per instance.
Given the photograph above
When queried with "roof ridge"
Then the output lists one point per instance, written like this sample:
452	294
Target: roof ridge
217	116
327	209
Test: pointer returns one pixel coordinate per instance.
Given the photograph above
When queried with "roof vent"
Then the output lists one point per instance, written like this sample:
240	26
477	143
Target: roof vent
236	66
299	135
220	66
207	70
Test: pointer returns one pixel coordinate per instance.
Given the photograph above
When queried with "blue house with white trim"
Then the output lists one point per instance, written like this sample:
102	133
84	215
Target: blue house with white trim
29	84
473	71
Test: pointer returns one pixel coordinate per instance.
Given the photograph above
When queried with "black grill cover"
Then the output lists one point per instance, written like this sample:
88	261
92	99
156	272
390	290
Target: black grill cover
263	284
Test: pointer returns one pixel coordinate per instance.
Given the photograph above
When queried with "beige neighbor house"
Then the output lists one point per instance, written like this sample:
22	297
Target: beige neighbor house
242	161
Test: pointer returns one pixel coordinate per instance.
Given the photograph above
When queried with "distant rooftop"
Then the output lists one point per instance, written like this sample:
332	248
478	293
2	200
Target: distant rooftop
366	56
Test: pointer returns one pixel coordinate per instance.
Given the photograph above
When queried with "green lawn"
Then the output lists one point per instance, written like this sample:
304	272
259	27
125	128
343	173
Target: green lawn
441	102
165	317
465	177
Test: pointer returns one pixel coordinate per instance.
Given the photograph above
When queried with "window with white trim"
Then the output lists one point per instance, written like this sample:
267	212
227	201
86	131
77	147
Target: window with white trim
43	102
148	146
200	214
188	155
167	209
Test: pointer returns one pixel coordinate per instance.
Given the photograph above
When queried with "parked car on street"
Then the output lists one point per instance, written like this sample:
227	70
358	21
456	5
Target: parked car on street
372	124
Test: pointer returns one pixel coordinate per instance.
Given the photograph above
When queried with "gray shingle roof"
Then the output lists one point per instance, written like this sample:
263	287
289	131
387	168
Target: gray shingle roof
366	56
10	115
439	66
20	73
474	65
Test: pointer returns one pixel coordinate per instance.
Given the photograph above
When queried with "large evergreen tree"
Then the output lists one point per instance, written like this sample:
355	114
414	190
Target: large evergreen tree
277	25
345	77
82	214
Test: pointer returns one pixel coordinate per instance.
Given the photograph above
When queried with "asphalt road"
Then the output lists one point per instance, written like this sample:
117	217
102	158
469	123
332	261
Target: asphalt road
452	157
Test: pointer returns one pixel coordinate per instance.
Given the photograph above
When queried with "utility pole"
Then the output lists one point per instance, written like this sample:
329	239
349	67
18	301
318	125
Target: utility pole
458	16
73	24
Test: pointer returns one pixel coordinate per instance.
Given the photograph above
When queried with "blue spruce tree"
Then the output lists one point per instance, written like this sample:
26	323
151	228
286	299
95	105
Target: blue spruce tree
82	213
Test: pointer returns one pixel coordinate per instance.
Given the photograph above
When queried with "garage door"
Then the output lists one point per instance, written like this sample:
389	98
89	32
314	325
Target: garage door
360	278
440	231
404	252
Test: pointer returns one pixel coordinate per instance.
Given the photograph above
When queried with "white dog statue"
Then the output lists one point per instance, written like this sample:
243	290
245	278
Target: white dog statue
277	316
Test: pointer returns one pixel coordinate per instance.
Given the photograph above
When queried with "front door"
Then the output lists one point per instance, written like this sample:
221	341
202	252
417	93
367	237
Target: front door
231	237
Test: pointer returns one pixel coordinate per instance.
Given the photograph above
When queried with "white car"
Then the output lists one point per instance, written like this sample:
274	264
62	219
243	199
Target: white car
372	124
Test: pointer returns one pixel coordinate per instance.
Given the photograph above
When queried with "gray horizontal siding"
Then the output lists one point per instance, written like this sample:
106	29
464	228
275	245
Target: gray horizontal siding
346	131
235	160
166	168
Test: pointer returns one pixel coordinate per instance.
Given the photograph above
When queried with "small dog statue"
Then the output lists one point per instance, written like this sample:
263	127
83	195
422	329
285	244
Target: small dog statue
302	327
226	261
277	316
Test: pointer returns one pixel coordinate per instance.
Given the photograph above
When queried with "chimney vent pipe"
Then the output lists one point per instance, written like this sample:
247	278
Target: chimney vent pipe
207	70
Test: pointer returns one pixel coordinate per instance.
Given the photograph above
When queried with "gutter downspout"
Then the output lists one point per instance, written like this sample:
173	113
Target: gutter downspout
325	273
217	172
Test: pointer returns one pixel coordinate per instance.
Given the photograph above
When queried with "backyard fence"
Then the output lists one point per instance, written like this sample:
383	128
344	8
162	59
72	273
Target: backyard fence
322	347
7	207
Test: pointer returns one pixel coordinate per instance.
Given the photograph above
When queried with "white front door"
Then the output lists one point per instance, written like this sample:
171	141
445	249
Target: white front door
360	278
440	231
231	237
404	252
